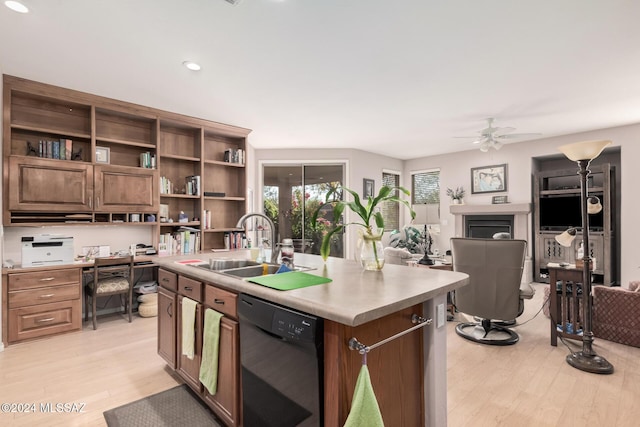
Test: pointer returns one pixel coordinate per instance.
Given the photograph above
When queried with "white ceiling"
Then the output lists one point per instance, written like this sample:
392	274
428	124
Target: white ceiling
399	78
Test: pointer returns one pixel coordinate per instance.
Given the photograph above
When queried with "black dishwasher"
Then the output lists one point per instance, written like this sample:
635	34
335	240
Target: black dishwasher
282	365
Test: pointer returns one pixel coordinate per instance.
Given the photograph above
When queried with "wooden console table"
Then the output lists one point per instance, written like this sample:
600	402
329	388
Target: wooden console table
565	303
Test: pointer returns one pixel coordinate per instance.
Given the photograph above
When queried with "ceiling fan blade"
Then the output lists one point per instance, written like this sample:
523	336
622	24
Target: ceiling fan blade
518	135
502	131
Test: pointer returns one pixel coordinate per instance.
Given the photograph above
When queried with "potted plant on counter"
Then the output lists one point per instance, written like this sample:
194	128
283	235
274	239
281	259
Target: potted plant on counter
456	195
371	221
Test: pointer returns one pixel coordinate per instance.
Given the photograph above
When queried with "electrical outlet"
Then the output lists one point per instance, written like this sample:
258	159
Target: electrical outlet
440	316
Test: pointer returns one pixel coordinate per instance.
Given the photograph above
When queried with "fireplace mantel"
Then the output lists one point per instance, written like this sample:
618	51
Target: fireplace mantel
497	209
520	212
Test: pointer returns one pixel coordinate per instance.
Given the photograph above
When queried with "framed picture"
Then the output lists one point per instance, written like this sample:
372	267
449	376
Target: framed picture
103	154
489	179
368	187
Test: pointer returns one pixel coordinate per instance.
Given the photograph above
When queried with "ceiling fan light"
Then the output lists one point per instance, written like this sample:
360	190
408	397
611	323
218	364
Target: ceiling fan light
484	147
497	145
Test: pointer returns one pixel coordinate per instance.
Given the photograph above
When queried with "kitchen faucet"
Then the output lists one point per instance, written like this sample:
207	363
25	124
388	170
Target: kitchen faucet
272	243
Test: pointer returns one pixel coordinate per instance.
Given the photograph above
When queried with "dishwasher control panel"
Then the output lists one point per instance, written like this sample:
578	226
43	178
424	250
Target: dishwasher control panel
295	326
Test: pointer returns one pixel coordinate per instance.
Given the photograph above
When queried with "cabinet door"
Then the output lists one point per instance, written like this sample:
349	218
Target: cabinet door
226	402
189	369
167	326
49	185
126	189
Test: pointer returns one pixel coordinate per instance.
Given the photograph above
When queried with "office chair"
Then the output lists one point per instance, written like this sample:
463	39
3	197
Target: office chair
493	294
114	276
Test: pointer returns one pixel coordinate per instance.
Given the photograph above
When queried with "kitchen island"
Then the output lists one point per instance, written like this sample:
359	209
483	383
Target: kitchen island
408	373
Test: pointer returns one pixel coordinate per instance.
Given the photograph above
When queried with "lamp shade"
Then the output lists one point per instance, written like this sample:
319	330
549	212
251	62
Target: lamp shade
593	205
428	213
586	150
567	237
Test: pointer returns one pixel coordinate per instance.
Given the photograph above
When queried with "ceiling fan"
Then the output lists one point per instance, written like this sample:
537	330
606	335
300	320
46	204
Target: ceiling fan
493	137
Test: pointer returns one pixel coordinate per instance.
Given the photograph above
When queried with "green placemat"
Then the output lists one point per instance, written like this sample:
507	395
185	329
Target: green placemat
290	280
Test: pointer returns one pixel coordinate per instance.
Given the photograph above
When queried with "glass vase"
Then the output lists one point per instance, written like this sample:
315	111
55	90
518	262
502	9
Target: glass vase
371	251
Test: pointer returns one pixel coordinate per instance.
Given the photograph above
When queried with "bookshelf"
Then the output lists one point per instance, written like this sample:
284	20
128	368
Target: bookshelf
123	155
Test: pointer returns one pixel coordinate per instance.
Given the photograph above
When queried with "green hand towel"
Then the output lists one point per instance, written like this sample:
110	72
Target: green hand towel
365	411
210	344
188	327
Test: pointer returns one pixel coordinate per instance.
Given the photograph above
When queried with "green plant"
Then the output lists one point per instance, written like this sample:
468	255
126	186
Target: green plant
409	238
456	194
366	212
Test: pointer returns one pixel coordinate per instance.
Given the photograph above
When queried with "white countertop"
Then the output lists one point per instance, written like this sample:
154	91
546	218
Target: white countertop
354	297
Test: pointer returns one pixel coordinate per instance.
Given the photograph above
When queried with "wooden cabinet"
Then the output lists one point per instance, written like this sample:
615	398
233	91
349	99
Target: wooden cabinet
42	302
189	369
167	326
36	184
73	157
226	403
52	136
122	189
558	207
396	369
206	151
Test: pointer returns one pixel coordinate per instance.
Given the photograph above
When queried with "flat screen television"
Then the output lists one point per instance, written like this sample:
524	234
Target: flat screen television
558	213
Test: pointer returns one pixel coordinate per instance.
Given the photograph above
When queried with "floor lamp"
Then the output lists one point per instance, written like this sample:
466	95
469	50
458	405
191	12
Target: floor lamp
587	359
428	213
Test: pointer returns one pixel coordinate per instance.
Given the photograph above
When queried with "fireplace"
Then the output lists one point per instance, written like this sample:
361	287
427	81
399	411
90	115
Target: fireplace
485	226
486	220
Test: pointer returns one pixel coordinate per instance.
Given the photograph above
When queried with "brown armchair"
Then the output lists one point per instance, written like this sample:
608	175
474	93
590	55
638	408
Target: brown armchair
111	276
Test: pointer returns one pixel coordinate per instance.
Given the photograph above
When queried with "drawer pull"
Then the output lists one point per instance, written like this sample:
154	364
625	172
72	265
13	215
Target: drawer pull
48	319
164	279
218	301
47	279
188	288
46	296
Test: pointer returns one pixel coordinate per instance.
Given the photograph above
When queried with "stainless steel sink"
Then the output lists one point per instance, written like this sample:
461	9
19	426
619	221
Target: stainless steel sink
258	270
225	264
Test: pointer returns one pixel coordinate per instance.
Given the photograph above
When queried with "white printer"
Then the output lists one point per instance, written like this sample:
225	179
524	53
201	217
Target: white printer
46	249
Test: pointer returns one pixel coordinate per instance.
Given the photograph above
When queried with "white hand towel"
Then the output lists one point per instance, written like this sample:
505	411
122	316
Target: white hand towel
188	327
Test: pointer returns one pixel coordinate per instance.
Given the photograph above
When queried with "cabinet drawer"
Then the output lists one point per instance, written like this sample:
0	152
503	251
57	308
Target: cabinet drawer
220	300
44	295
46	278
44	319
168	280
190	288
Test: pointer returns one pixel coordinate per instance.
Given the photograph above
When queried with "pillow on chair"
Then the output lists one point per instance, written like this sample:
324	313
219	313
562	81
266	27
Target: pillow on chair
396	255
111	284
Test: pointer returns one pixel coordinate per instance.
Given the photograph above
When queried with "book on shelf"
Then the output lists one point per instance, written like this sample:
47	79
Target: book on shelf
234	155
193	185
206	219
147	160
235	240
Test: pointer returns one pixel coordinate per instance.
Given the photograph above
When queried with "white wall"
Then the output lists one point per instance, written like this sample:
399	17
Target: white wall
118	237
359	165
455	171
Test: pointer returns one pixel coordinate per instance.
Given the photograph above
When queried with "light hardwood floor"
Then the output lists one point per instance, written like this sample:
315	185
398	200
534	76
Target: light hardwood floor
527	384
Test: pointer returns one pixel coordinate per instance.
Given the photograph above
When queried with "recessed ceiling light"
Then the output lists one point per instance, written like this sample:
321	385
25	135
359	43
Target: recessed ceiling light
191	65
16	6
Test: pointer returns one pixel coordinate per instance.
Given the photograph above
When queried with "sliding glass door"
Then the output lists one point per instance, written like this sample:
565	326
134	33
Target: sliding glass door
291	193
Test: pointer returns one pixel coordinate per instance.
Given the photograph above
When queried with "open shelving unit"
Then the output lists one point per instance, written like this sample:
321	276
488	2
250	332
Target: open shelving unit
122	186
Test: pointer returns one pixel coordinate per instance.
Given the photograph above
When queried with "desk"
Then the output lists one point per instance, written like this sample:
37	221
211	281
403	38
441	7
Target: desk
565	303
